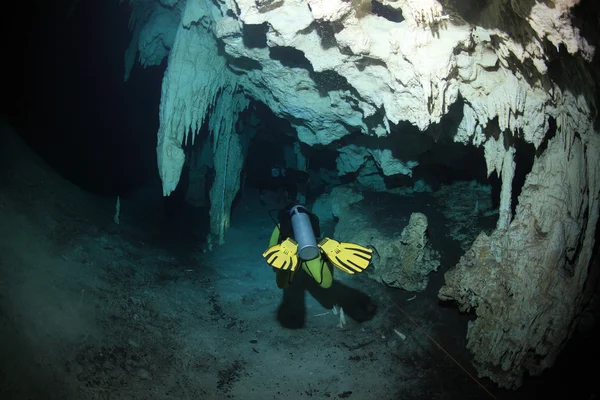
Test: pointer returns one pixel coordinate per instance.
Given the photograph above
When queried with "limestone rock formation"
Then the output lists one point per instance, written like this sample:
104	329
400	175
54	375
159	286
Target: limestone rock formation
342	74
405	261
342	198
371	165
524	281
402	260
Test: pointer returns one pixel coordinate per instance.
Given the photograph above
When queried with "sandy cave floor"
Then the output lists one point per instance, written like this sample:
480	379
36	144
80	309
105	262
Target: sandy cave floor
94	310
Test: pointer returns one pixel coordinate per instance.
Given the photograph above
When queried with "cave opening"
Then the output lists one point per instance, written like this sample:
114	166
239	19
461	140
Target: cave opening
386	11
290	57
255	36
508	16
323	171
457	176
270	152
445	163
524	158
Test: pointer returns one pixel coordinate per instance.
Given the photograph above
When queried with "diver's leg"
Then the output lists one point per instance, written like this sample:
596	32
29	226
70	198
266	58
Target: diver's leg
320	270
283	278
274	236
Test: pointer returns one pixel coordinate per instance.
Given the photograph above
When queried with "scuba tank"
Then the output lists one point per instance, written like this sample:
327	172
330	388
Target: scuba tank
303	233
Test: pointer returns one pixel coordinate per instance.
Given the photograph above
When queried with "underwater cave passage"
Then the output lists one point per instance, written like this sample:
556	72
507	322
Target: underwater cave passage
457	174
270	154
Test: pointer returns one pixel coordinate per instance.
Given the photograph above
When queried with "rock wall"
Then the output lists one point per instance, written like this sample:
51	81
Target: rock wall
525	281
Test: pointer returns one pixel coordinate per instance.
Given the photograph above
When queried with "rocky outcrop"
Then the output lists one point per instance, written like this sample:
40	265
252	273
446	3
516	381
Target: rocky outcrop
525	281
401	260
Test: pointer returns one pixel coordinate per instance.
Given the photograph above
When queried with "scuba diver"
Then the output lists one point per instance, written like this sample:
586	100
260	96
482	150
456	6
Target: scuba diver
293	244
293	181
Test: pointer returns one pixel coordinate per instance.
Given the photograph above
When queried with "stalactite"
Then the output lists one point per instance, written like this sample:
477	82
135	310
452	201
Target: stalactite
508	173
192	81
137	19
540	260
228	154
302	165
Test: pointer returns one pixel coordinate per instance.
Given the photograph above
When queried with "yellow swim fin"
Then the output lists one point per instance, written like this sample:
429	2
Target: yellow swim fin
348	257
283	256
